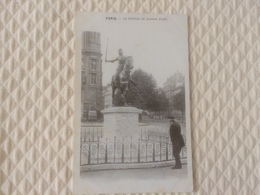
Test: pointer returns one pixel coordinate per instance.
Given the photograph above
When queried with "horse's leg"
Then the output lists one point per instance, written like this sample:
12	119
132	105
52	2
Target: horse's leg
122	96
127	86
113	95
113	90
126	95
133	82
125	99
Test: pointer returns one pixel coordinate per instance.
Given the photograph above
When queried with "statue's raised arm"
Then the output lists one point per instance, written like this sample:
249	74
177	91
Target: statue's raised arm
111	60
121	61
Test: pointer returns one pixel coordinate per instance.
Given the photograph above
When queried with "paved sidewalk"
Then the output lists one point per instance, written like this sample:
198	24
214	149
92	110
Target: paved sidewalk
135	180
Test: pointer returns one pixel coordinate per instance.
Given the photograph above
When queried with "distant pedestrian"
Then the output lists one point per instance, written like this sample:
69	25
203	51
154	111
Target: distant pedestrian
177	142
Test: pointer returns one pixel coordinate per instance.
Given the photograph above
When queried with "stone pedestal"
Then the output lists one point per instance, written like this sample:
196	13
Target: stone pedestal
121	122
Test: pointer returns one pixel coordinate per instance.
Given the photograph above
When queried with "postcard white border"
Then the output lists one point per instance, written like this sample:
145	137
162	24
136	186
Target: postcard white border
86	186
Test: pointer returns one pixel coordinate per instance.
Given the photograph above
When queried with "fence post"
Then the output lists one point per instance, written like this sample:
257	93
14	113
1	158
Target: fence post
89	152
146	148
167	149
123	152
154	151
97	149
106	152
138	150
82	133
160	148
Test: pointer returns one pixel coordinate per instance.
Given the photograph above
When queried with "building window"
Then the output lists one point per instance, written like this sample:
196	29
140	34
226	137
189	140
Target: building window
83	78
93	64
93	78
83	63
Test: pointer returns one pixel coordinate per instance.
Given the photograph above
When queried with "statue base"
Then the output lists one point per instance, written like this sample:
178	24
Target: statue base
121	122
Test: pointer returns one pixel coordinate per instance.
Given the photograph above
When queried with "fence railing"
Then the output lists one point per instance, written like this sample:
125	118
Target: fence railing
91	133
104	151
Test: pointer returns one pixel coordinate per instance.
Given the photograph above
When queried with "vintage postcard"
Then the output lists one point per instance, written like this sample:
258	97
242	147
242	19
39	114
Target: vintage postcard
132	124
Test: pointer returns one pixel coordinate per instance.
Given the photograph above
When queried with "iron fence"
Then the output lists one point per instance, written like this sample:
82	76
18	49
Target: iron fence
104	151
91	133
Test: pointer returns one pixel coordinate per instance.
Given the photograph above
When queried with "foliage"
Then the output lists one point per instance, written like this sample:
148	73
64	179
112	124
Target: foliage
179	101
163	101
145	95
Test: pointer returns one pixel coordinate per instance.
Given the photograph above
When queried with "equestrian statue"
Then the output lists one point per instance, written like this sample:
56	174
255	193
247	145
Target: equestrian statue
122	78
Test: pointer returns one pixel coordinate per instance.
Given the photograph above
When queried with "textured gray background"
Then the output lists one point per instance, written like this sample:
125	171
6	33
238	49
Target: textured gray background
37	93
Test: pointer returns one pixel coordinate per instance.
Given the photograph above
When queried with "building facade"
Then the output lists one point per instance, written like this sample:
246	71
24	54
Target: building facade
91	74
171	87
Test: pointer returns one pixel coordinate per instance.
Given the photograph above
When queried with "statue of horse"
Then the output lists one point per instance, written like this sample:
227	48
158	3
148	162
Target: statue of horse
120	83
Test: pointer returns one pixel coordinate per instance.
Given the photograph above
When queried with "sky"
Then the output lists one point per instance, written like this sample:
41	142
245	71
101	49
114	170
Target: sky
159	47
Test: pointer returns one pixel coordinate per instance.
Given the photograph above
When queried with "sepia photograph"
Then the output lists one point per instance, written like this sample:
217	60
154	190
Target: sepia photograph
132	98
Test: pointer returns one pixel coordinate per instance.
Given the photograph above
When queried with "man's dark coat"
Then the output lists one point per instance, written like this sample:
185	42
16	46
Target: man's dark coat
175	133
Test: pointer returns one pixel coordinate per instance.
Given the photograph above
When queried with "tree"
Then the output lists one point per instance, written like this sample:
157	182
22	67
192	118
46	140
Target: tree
146	95
179	101
163	101
143	94
162	104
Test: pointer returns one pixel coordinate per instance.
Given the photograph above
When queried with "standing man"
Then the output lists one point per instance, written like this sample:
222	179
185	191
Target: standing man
177	142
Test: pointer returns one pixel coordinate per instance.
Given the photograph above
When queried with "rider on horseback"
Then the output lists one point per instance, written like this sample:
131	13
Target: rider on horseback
121	61
120	81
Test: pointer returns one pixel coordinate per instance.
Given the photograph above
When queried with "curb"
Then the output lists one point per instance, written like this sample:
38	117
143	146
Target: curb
122	166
